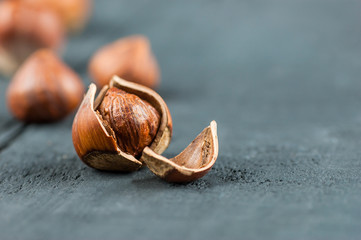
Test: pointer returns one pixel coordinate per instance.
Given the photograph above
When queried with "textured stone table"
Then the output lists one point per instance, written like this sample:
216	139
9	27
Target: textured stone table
282	79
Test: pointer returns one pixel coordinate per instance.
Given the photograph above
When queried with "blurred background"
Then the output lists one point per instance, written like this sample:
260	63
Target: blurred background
282	80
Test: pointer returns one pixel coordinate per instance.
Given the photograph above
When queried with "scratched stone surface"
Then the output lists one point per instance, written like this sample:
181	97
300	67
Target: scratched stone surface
282	79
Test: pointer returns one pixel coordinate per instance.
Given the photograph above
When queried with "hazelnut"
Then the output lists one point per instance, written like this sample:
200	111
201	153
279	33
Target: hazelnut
128	125
44	89
73	13
130	58
110	132
134	121
24	29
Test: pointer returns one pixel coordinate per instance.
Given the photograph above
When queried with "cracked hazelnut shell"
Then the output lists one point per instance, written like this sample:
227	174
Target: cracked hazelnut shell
191	164
24	29
44	89
130	58
94	139
98	144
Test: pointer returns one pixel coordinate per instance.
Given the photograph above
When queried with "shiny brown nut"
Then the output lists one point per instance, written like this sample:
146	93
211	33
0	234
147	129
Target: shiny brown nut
97	136
44	89
130	58
73	13
24	29
193	163
134	121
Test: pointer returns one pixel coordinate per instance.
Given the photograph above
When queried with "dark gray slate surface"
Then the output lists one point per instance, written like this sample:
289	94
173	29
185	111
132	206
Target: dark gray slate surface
283	80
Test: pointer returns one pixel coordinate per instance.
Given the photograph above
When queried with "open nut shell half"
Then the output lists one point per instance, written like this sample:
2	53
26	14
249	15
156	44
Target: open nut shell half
193	163
96	147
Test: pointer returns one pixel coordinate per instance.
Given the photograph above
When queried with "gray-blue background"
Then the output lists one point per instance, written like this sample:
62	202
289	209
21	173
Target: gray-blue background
282	79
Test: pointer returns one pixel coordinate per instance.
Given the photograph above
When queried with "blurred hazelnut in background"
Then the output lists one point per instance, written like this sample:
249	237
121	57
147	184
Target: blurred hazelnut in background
130	58
73	13
25	28
44	89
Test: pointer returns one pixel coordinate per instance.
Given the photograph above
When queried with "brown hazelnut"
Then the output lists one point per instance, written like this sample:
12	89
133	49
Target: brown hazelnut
23	29
44	89
73	13
134	121
110	132
130	58
129	124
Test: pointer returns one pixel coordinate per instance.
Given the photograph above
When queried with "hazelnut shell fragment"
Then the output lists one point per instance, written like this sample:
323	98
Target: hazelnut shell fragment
95	143
191	164
44	89
130	58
